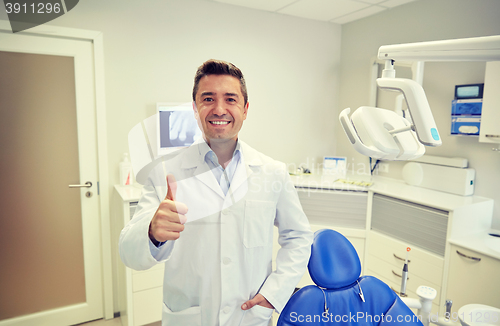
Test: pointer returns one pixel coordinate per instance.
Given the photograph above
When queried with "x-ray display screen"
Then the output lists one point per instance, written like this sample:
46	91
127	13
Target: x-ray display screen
178	127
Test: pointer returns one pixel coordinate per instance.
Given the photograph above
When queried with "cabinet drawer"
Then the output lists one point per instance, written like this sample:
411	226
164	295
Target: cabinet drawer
334	208
143	280
148	306
426	265
472	280
393	275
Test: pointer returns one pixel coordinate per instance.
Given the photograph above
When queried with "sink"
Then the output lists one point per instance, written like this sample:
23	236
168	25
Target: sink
493	242
479	315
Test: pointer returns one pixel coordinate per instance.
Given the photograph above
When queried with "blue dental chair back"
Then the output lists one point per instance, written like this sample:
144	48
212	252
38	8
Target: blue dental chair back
341	296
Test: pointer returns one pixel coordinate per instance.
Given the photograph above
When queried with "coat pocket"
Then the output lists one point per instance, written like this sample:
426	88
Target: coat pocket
259	221
257	316
190	316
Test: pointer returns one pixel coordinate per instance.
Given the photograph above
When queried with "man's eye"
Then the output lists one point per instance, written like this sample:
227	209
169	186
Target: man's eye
208	99
231	99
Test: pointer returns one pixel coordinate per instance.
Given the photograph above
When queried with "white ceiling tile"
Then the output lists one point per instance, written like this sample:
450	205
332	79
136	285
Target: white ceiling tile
322	9
268	5
358	15
394	3
373	2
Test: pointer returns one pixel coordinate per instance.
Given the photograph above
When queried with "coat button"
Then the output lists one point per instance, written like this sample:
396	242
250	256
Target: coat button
226	309
226	260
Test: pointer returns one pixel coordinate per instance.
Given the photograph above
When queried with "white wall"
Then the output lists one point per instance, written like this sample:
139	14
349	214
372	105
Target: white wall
153	48
425	20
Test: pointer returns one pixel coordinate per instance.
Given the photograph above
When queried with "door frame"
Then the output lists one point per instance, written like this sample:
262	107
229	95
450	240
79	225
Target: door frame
102	143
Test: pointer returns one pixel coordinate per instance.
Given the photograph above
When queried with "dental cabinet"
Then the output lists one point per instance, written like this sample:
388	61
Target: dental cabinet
473	278
381	221
490	115
138	295
427	221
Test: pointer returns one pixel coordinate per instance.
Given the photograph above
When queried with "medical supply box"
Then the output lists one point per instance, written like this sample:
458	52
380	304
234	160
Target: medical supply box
466	116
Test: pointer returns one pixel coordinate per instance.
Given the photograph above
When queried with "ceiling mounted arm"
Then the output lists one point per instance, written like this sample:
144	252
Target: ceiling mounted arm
383	134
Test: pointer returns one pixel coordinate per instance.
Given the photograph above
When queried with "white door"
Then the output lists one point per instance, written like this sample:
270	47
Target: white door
50	261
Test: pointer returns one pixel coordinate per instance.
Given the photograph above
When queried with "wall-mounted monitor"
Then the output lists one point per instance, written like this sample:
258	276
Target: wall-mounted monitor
177	126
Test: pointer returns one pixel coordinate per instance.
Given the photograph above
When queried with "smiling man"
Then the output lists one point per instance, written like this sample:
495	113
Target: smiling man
212	222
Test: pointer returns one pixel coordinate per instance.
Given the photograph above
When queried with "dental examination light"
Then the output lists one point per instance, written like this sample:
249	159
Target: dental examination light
383	134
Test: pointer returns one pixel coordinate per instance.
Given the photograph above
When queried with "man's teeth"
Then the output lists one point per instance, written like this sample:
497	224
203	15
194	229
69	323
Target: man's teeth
219	122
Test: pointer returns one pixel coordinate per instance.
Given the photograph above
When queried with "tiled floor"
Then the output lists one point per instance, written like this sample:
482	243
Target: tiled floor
111	322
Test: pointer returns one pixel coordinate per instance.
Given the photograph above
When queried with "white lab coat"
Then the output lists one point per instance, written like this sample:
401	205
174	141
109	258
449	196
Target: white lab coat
223	256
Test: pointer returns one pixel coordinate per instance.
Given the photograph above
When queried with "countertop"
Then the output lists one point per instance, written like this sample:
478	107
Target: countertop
390	187
482	243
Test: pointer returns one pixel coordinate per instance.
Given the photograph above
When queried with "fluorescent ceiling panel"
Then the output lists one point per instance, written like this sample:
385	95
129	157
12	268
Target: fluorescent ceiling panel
323	9
373	2
358	15
395	3
268	5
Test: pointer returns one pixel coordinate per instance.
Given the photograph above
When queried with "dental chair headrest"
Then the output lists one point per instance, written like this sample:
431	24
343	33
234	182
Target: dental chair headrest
334	262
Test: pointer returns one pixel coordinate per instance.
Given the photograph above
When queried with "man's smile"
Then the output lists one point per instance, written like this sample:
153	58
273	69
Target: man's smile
219	122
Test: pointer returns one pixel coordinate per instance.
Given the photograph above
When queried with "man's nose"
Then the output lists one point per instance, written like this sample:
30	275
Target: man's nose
220	108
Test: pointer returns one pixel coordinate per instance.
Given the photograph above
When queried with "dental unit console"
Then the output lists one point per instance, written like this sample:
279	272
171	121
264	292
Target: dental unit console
384	134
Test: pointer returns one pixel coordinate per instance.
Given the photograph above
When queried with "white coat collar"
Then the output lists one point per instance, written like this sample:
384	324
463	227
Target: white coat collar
194	157
195	154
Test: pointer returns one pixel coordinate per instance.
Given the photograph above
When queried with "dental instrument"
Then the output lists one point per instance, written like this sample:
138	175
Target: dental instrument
384	134
404	275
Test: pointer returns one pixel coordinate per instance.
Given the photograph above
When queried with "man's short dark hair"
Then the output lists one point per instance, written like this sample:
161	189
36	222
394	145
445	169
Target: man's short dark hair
219	67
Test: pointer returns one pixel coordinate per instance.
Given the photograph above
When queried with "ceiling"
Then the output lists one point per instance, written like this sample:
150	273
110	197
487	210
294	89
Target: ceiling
335	11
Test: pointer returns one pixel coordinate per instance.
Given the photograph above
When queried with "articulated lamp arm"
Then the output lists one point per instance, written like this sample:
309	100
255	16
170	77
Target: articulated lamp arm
373	131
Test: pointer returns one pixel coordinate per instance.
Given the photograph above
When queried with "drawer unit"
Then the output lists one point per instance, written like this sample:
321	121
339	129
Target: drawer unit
473	278
392	274
334	208
426	265
411	293
385	260
139	295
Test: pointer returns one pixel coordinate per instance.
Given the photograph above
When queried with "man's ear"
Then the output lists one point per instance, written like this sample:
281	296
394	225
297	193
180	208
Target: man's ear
195	109
245	110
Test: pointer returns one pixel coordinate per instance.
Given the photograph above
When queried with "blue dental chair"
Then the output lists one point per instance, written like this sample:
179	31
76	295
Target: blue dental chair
341	296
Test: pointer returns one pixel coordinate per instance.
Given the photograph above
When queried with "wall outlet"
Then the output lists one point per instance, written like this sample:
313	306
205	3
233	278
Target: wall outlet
383	167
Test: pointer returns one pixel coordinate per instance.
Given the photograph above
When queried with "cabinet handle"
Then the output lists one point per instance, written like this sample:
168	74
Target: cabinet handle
402	259
469	257
399	293
393	272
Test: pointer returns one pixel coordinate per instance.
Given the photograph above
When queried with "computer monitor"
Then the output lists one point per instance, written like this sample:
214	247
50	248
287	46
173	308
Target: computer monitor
177	127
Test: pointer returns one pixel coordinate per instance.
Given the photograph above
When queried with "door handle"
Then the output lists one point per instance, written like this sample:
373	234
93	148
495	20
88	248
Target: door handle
87	184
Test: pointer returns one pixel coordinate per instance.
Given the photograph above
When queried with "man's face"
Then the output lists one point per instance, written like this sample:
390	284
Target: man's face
220	108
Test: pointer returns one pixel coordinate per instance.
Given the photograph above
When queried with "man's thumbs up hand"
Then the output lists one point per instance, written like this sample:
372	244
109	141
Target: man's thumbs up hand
168	221
171	187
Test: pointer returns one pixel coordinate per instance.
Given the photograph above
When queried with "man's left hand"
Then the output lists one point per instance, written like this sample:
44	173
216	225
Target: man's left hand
257	300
